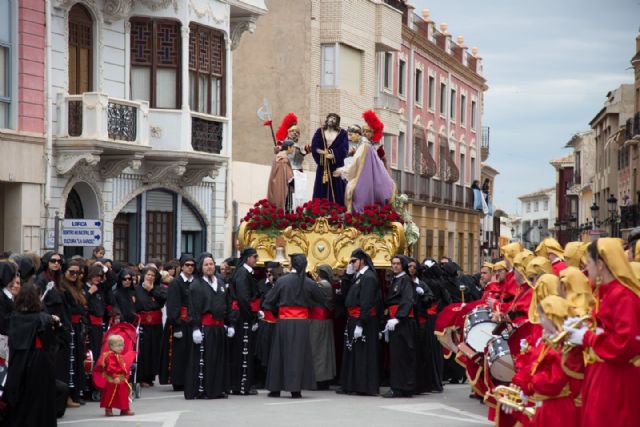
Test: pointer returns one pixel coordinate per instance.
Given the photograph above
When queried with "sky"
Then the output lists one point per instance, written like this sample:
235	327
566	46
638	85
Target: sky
549	65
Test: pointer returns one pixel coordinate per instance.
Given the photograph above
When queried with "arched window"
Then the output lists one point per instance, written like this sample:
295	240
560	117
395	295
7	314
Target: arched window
80	50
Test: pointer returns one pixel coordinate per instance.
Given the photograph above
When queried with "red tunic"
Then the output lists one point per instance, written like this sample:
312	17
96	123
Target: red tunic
509	292
115	395
610	391
558	266
492	290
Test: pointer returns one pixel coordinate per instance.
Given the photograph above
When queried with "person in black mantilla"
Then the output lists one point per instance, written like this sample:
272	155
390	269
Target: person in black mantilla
245	306
401	331
207	376
291	363
360	370
175	345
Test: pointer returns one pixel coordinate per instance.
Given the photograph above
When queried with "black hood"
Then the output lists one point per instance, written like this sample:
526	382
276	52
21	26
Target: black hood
8	272
200	262
299	263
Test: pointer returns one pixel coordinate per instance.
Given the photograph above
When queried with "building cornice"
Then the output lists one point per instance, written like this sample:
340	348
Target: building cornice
431	49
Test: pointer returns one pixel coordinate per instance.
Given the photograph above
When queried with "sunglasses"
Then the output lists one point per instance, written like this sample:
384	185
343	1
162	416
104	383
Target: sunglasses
73	272
128	279
353	260
55	261
189	264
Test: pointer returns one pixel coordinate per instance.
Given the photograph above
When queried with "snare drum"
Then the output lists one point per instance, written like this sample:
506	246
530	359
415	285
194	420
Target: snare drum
501	364
478	327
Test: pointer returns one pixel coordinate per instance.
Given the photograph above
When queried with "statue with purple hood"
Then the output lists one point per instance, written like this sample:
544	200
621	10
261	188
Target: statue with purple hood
329	148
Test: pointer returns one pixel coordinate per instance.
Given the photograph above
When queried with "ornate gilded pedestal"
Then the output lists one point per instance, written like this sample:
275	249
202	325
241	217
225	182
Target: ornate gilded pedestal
326	244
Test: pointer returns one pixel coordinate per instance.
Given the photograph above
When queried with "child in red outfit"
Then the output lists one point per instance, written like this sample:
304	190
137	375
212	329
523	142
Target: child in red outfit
115	393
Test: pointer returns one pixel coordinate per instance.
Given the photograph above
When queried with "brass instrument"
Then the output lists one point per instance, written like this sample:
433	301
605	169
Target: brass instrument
561	336
510	396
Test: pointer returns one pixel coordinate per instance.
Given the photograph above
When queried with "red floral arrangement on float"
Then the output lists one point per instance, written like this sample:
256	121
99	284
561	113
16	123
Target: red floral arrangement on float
272	221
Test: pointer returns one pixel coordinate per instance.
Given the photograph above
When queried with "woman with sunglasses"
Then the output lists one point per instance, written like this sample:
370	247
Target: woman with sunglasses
124	297
150	297
93	291
76	302
50	270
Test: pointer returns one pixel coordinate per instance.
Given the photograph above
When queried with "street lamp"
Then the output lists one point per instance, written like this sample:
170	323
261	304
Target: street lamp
594	214
613	213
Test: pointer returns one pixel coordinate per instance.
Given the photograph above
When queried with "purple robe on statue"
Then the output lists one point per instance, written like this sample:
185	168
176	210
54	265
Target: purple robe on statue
369	182
334	190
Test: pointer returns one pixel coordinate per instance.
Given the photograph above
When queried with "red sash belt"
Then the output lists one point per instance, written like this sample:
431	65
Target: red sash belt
319	313
355	311
393	309
207	319
3	361
109	308
293	312
150	317
254	305
76	319
433	309
269	317
38	343
184	313
422	320
95	320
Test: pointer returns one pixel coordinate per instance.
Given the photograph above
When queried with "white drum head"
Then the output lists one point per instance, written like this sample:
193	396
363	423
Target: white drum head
479	335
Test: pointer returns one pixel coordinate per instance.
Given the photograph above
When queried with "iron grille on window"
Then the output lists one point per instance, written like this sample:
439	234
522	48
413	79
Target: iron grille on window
74	124
121	123
206	136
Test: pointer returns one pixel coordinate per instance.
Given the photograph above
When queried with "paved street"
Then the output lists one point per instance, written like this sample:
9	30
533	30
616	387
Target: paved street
161	406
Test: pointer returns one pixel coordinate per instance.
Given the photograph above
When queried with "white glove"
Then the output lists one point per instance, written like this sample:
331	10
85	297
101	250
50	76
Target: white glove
254	327
261	314
357	332
391	324
569	321
524	397
349	269
599	330
577	335
197	336
506	409
178	334
231	331
419	290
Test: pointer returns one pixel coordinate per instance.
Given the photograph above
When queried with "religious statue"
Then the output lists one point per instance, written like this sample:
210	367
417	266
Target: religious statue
329	148
280	186
290	131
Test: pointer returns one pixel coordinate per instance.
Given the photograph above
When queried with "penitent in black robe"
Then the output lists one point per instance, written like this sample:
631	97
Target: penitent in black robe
150	336
360	370
264	334
175	349
291	362
30	389
207	373
244	289
402	340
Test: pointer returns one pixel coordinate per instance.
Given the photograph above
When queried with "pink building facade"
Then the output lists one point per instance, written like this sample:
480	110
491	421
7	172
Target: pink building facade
22	123
437	152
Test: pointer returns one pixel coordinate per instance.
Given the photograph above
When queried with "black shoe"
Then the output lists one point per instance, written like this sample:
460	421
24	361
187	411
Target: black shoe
235	392
221	396
296	395
80	401
341	391
392	394
252	392
273	394
178	388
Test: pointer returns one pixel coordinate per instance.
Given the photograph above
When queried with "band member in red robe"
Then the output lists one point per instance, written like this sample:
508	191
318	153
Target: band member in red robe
550	248
116	390
612	349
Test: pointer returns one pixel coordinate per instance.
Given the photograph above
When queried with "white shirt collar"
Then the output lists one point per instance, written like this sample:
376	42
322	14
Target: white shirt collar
416	280
293	270
362	270
400	274
248	267
8	293
213	283
185	278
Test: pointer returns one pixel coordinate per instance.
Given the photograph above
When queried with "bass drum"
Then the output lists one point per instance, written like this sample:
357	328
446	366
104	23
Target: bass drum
499	358
478	328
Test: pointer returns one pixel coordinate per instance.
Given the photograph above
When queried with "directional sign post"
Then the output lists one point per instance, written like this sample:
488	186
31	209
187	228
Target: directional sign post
81	232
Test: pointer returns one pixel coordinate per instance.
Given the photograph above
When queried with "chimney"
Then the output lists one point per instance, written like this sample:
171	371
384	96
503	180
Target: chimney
459	50
443	38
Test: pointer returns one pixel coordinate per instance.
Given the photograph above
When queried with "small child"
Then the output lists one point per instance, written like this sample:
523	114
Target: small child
115	393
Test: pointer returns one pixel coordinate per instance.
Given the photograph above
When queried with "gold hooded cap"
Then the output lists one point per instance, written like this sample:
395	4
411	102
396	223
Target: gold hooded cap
488	265
538	265
546	285
500	265
511	250
635	267
520	262
611	251
575	254
575	287
556	309
550	246
636	254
